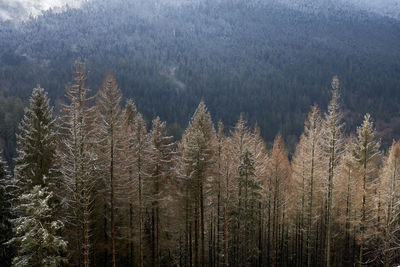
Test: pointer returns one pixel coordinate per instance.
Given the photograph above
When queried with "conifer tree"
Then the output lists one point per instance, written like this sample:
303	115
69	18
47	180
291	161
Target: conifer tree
259	150
110	147
38	235
249	205
159	161
279	173
5	213
130	157
199	143
37	143
307	172
389	176
367	154
141	143
348	202
332	144
240	141
76	150
36	227
137	164
227	170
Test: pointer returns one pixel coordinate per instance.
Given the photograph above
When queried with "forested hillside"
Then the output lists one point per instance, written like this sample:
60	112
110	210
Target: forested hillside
265	59
98	186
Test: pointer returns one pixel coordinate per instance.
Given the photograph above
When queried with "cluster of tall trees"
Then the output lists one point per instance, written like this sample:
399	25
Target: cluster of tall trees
96	186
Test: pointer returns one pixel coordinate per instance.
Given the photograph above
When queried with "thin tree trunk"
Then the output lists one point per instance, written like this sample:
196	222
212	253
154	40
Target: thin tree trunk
112	203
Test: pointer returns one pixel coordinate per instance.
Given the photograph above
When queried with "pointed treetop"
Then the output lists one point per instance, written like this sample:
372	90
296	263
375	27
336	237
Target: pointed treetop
158	127
39	101
79	71
367	147
279	144
202	121
220	130
36	141
335	83
367	128
396	149
313	118
130	111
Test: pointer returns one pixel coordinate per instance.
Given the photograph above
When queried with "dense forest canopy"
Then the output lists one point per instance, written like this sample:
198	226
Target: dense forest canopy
265	59
97	186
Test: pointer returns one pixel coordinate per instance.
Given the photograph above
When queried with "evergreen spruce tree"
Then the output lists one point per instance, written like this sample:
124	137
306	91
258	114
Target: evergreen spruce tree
38	235
140	161
78	157
333	146
249	205
390	183
6	197
110	155
159	173
348	204
130	157
279	173
367	154
307	173
199	142
37	143
36	227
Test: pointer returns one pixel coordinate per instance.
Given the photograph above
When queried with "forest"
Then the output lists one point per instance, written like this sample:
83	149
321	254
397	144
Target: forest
262	58
94	185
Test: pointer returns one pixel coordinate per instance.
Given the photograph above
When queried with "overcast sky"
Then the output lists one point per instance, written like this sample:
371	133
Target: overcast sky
14	9
21	9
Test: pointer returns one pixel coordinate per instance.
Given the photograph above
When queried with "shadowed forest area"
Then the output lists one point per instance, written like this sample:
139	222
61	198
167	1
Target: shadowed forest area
263	58
93	186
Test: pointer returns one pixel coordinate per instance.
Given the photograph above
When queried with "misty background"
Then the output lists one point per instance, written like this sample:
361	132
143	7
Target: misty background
22	9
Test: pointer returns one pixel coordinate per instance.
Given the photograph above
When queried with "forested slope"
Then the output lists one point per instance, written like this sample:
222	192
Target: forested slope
265	59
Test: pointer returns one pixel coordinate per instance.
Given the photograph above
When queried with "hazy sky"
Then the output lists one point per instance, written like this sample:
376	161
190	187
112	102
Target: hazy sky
11	9
17	9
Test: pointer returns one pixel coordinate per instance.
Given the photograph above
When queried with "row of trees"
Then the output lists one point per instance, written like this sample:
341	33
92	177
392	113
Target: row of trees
95	187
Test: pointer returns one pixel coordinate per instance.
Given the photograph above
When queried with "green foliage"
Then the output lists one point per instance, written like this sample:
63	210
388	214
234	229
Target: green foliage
11	113
36	143
5	213
38	235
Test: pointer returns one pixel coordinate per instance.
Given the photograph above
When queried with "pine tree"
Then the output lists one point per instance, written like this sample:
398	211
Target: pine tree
159	161
333	146
110	147
37	143
279	173
141	142
389	176
37	233
199	143
240	142
6	198
307	173
130	151
249	205
76	150
366	153
37	178
227	182
348	202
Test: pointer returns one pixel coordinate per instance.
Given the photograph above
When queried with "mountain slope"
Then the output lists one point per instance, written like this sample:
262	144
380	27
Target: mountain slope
265	59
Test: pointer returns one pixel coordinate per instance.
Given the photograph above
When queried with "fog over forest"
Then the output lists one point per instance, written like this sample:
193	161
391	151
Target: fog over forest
22	9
